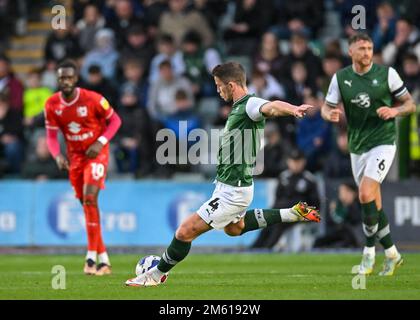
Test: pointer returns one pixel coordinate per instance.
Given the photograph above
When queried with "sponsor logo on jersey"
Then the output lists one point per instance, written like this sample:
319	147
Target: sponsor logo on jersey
82	111
74	127
348	82
362	100
104	103
79	137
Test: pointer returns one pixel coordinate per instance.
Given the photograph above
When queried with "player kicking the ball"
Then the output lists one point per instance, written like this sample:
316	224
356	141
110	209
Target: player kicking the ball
367	91
227	208
87	122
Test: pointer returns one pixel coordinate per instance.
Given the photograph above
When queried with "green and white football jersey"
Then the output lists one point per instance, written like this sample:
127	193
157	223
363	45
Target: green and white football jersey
362	95
241	141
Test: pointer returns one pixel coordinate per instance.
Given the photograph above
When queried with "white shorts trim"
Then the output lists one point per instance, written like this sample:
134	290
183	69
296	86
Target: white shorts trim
374	164
228	204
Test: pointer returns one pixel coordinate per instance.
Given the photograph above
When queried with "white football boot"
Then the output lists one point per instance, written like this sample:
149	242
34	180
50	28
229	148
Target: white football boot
146	280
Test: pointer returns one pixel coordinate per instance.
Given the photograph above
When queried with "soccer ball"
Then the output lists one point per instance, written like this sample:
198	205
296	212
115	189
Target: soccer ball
146	263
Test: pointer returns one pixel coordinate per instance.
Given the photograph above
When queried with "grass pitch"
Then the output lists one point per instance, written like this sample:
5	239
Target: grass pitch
207	277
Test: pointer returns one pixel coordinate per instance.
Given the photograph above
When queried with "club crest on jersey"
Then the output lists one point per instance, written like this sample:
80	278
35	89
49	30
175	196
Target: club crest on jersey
58	112
375	83
362	100
74	127
82	111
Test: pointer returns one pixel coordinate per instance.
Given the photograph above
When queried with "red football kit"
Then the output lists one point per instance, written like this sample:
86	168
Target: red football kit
82	121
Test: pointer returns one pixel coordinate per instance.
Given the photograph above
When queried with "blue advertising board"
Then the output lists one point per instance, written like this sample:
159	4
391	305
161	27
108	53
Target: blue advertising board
132	213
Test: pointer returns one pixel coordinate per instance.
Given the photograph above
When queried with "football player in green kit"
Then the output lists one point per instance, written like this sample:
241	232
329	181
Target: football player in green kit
227	209
367	91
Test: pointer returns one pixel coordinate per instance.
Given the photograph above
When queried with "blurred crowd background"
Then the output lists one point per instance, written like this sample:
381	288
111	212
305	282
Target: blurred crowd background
152	59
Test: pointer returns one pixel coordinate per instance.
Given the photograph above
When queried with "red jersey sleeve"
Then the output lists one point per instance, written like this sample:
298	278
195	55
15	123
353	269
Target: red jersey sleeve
102	106
50	120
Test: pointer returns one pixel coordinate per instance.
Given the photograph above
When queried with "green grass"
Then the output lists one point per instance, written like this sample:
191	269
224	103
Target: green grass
206	277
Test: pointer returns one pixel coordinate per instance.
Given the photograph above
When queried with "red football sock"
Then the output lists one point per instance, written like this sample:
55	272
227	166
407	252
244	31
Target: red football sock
92	222
101	245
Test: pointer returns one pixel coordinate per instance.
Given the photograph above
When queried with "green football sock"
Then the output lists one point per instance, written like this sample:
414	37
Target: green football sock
370	217
175	253
384	233
260	218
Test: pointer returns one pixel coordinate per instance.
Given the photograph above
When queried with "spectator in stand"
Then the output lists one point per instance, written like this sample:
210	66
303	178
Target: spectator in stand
265	86
161	101
199	63
250	21
344	228
384	29
300	83
40	165
97	82
269	59
87	27
407	39
330	65
153	10
313	134
79	7
180	19
184	111
49	75
11	135
338	164
10	85
298	16
275	151
133	70
134	153
212	10
123	19
104	55
60	45
166	51
34	97
138	46
411	75
300	52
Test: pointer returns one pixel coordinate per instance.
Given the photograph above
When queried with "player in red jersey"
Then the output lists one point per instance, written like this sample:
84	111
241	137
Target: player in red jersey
87	122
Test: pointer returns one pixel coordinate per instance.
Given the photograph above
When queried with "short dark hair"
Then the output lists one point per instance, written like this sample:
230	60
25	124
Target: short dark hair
166	38
359	36
165	63
410	57
230	71
192	37
67	64
94	69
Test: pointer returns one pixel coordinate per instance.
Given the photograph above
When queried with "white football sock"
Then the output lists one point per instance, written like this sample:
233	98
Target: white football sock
288	216
391	252
370	251
103	258
91	255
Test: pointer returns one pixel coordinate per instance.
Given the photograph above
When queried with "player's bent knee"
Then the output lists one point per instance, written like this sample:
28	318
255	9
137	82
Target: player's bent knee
90	200
233	231
366	196
185	234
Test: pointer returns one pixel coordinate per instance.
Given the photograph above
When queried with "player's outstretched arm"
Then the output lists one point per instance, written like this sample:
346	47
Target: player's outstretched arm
408	106
330	113
279	108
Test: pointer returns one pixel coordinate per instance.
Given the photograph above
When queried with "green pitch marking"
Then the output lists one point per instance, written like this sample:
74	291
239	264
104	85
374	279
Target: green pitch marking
206	277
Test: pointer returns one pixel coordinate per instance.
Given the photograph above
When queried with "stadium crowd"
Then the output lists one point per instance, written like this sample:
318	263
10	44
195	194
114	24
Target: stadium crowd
152	60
